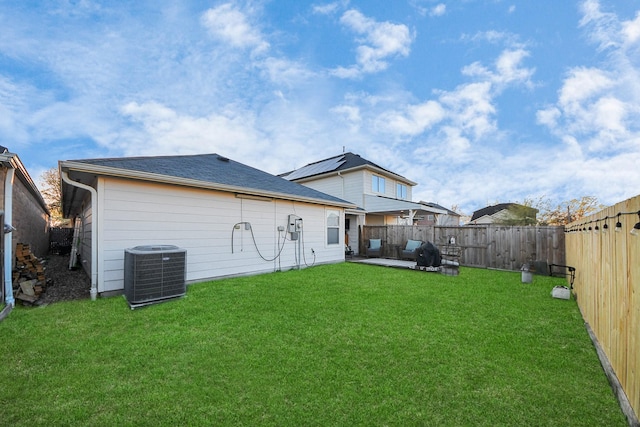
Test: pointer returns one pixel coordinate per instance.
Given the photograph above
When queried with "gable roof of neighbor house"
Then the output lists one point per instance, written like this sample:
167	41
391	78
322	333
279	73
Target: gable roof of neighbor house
12	160
210	171
491	210
340	163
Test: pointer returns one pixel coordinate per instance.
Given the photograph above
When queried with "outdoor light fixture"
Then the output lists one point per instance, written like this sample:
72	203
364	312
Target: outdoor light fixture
618	225
596	229
605	227
636	228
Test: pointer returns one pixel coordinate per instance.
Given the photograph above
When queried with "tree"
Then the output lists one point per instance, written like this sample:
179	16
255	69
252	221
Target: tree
520	214
52	195
572	210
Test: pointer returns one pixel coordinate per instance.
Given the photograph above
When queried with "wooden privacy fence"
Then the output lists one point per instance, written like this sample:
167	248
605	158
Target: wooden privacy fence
607	288
487	246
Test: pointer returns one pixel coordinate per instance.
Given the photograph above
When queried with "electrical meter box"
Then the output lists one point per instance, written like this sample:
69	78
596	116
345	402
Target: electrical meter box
294	225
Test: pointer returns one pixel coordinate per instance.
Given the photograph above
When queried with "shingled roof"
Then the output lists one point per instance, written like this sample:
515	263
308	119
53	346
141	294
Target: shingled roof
342	162
491	210
204	170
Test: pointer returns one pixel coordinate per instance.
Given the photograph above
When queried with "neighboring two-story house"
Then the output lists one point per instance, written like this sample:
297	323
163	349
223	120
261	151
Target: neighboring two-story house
382	197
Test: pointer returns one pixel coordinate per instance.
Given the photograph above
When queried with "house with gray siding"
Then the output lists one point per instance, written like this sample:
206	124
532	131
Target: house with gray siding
382	197
232	219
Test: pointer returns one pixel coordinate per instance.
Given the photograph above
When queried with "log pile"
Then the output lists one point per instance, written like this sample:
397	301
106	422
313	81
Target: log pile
29	280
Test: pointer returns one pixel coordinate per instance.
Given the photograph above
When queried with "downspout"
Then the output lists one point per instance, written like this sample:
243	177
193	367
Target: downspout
94	228
8	241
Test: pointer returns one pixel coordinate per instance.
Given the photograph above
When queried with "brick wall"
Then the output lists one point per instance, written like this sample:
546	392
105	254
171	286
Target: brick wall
30	220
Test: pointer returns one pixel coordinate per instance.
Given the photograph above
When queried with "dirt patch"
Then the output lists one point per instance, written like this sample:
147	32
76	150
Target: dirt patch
64	284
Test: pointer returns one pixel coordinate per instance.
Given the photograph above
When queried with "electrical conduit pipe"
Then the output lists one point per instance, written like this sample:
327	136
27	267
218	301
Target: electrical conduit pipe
94	237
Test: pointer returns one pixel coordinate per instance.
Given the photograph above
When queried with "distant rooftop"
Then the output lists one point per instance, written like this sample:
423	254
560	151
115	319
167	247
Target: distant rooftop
490	210
341	162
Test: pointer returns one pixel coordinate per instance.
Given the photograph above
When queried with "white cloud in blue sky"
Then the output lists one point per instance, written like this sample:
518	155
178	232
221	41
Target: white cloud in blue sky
477	101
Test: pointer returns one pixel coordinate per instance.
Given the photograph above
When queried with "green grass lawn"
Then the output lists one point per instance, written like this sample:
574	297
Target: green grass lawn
344	344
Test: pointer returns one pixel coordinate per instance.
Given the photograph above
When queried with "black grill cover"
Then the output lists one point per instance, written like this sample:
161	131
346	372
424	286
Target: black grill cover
428	255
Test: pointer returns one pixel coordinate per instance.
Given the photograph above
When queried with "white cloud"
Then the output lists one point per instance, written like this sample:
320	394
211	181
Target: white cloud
631	30
438	10
232	25
380	41
507	69
470	107
548	117
163	130
414	120
455	142
328	8
583	84
604	26
350	113
284	71
346	72
504	38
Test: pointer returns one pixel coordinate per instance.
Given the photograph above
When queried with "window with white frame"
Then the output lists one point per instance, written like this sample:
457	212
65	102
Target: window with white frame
377	184
333	227
401	191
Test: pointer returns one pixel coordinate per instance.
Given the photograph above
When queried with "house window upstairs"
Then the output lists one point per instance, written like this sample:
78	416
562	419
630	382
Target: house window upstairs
377	184
401	191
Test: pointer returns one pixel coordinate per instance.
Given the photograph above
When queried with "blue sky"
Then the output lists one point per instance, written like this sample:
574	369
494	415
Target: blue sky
478	101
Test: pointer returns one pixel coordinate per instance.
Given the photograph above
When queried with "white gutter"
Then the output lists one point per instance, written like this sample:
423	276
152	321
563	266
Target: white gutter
94	230
8	241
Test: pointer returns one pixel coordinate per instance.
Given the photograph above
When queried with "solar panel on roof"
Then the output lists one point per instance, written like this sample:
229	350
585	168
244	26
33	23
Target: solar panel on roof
316	168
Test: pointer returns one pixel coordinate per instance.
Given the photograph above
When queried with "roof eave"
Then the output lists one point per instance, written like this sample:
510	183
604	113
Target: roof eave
11	160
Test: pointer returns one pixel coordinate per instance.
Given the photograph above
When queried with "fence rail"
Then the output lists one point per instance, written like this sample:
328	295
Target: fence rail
487	246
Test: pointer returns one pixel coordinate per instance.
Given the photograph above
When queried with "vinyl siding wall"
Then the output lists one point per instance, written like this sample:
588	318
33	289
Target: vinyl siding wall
349	186
202	222
84	247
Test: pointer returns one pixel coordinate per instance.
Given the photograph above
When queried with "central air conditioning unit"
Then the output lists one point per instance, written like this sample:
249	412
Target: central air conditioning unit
154	273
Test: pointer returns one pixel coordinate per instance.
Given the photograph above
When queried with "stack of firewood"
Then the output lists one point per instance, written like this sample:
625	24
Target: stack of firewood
29	280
